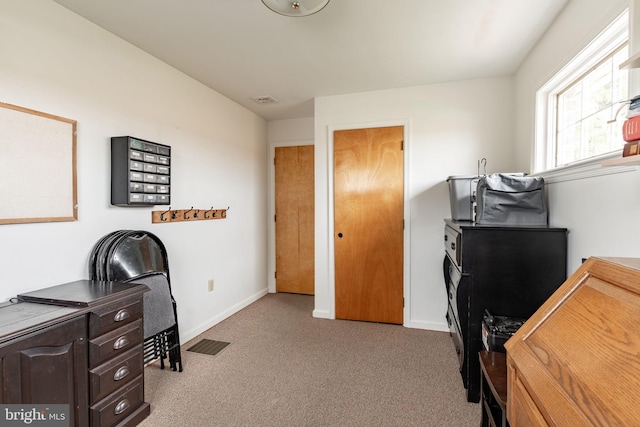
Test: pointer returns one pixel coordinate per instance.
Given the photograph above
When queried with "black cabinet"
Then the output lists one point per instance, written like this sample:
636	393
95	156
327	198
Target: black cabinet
47	367
140	172
509	271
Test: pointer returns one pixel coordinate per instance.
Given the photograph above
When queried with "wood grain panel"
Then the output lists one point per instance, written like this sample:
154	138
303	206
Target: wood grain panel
577	357
368	204
294	172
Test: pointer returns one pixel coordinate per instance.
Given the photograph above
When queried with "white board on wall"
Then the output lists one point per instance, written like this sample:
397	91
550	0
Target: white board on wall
37	166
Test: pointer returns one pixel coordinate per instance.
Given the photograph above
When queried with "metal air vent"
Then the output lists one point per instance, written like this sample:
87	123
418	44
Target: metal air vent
264	100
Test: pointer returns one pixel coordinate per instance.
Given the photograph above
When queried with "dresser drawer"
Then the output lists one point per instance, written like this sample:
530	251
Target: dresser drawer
114	343
112	316
115	373
116	407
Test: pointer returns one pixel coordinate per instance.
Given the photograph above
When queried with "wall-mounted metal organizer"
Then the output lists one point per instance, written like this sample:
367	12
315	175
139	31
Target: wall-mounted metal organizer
140	172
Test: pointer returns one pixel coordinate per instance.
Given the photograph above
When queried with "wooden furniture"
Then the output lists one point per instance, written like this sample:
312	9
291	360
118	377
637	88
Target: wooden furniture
43	357
509	271
493	389
79	344
575	362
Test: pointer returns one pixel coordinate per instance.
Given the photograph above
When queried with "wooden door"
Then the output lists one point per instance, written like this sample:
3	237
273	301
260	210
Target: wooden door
368	224
294	219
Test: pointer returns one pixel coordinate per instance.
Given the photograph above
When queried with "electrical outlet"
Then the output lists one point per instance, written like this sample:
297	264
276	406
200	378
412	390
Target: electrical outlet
210	285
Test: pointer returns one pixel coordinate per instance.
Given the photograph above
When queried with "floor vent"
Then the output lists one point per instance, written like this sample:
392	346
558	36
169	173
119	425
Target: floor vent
208	347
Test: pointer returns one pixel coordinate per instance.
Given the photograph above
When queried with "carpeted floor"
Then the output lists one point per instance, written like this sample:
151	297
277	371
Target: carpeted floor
285	368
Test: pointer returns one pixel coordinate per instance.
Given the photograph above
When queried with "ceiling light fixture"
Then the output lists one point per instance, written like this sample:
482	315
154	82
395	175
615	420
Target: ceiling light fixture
296	8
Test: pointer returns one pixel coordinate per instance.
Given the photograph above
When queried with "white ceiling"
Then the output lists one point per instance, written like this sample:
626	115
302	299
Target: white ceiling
242	49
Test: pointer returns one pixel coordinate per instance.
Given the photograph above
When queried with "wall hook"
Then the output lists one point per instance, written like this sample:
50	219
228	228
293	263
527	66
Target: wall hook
184	214
162	218
179	215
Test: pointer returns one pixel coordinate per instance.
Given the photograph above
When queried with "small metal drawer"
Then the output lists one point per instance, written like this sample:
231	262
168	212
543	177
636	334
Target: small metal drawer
115	373
135	198
150	198
136	176
114	343
113	316
116	407
151	158
149	177
135	187
150	188
150	168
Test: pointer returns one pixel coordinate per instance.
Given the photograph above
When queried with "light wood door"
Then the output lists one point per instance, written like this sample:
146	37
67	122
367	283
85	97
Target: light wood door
294	219
368	224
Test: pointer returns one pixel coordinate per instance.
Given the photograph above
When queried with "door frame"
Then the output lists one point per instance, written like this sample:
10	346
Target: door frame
406	214
271	208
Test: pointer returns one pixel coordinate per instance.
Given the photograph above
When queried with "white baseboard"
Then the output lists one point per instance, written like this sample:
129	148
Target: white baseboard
431	326
189	335
321	314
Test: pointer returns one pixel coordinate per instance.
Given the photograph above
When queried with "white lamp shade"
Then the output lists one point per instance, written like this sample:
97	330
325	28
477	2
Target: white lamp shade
295	8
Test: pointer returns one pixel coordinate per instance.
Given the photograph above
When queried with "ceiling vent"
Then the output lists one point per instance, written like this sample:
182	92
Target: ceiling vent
263	100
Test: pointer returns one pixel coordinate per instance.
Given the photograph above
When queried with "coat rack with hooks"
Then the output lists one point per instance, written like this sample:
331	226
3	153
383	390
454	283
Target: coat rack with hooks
181	215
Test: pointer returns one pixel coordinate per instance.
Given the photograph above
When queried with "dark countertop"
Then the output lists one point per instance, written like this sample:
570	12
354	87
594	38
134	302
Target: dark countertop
44	307
459	225
81	293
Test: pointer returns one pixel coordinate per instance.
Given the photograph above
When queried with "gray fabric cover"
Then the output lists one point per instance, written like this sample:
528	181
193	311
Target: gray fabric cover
158	308
504	199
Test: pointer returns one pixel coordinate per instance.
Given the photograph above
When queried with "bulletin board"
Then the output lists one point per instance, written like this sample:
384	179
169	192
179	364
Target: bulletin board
37	166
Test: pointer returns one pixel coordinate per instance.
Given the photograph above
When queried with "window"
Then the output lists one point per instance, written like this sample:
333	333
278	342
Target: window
575	109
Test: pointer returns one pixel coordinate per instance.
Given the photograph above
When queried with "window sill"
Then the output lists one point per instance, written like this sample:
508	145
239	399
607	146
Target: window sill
622	161
597	166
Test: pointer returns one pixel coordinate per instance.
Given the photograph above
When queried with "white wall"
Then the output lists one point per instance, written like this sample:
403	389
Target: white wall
449	128
56	62
599	211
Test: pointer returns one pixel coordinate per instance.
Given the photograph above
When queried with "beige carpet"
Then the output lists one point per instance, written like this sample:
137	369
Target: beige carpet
285	368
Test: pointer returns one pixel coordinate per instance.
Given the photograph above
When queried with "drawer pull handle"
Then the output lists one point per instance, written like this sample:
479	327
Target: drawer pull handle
121	315
122	406
120	342
121	373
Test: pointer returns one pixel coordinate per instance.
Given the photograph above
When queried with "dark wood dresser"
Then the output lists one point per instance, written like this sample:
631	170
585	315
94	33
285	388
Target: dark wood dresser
509	271
80	344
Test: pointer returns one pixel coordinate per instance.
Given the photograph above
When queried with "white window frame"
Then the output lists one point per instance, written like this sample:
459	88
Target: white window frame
545	127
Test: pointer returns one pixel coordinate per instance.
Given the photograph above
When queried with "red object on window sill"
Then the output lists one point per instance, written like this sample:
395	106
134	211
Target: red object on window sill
631	129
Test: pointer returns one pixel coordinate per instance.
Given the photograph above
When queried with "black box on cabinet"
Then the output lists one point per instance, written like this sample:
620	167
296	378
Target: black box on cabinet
140	172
